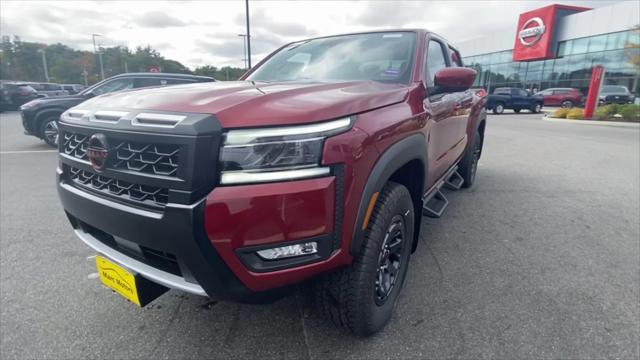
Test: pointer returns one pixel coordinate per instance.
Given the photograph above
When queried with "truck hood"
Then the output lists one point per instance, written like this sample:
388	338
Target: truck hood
245	104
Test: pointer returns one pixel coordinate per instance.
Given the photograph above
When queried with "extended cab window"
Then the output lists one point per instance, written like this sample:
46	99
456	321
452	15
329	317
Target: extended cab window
115	85
436	60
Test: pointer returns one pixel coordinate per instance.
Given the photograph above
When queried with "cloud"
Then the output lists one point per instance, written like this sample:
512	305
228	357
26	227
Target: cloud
158	19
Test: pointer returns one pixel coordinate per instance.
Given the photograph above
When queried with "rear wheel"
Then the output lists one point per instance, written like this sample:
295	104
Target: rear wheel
567	104
360	299
49	131
468	166
536	108
499	108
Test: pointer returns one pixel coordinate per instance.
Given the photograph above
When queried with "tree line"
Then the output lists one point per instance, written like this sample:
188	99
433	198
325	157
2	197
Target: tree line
22	61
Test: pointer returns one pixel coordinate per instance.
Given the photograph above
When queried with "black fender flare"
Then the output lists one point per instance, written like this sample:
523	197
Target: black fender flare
412	147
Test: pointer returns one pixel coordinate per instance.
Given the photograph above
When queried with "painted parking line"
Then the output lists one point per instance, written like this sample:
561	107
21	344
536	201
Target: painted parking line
27	152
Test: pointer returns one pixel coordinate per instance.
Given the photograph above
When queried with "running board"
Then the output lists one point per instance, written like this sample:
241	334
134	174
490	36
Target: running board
455	181
435	205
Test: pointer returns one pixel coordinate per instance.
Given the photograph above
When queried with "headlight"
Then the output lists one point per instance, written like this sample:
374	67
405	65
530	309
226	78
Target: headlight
276	154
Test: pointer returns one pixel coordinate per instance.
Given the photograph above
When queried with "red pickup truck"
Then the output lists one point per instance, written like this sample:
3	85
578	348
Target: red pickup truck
318	164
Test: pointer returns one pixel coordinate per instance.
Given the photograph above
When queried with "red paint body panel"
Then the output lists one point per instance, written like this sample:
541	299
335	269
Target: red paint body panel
545	17
249	215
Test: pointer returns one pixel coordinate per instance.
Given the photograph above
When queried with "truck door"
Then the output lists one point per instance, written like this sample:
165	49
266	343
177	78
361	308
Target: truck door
450	112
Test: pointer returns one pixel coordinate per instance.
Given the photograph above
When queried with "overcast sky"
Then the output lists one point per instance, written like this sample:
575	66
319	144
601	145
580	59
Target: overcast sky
206	32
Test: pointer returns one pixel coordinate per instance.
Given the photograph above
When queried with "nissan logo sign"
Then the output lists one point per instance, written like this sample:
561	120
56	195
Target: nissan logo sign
530	35
98	152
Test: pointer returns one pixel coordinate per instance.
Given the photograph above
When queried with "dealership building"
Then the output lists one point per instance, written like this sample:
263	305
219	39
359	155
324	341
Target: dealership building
556	46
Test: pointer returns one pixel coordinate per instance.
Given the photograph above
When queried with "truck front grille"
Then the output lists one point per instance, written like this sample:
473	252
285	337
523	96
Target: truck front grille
154	159
125	190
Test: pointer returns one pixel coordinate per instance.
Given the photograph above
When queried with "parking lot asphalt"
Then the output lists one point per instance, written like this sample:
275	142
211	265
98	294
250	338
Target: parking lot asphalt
539	259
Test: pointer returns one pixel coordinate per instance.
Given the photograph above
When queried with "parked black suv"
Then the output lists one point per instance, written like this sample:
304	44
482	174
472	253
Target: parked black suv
40	117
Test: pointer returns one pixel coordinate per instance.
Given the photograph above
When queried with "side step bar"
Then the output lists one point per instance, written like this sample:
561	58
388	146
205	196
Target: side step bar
455	181
434	207
434	201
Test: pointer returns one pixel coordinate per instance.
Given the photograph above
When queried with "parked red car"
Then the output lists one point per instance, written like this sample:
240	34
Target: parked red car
319	163
565	97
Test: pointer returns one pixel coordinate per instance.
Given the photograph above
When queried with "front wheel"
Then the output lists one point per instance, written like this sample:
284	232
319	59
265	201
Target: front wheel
49	131
360	299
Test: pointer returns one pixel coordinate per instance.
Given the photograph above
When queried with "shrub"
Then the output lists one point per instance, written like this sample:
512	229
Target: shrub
561	113
575	113
602	113
630	112
612	108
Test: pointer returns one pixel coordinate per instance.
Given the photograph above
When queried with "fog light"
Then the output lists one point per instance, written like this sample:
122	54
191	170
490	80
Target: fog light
289	251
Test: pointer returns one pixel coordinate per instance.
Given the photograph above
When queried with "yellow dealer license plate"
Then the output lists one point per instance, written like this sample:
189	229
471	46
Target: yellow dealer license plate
118	279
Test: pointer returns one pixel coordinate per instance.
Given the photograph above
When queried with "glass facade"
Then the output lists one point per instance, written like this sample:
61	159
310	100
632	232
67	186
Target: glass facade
571	68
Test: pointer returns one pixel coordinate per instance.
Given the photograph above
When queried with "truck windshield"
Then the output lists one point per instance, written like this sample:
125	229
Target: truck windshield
384	57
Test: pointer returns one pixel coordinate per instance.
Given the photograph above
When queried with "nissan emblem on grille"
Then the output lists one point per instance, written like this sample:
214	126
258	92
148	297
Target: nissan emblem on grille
98	151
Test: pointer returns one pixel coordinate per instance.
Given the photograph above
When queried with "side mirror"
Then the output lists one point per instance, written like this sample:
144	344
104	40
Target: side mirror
453	79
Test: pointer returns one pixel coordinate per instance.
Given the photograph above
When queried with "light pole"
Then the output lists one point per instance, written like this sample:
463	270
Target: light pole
244	49
99	51
44	64
246	2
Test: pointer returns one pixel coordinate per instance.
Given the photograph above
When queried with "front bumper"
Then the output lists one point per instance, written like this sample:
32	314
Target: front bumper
128	235
28	122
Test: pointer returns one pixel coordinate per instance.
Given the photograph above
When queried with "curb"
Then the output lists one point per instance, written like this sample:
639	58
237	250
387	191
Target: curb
593	122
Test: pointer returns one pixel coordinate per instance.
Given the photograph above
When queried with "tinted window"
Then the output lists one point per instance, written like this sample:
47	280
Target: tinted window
177	81
502	91
436	60
115	85
521	92
146	82
384	57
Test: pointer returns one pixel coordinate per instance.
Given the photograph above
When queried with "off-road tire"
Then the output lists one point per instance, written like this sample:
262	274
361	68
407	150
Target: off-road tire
348	297
468	166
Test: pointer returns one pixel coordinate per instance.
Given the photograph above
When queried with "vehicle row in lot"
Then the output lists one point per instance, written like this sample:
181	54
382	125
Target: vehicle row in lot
40	116
518	99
